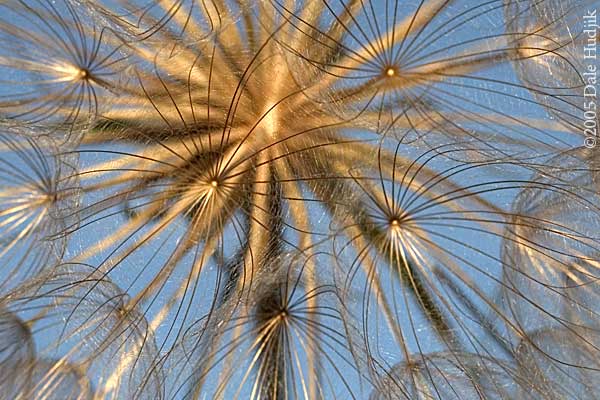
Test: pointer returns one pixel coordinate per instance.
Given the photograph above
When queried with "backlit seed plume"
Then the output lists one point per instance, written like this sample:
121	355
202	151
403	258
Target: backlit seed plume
56	379
551	252
16	353
80	319
296	199
289	317
451	376
550	47
38	198
425	66
57	65
566	364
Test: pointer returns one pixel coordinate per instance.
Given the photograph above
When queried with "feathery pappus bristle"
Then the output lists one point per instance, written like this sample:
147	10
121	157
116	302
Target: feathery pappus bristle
298	199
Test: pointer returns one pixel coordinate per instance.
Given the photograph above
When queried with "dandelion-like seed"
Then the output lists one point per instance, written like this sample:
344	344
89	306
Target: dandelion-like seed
56	63
296	199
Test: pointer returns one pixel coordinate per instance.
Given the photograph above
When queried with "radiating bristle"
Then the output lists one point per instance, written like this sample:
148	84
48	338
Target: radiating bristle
298	199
